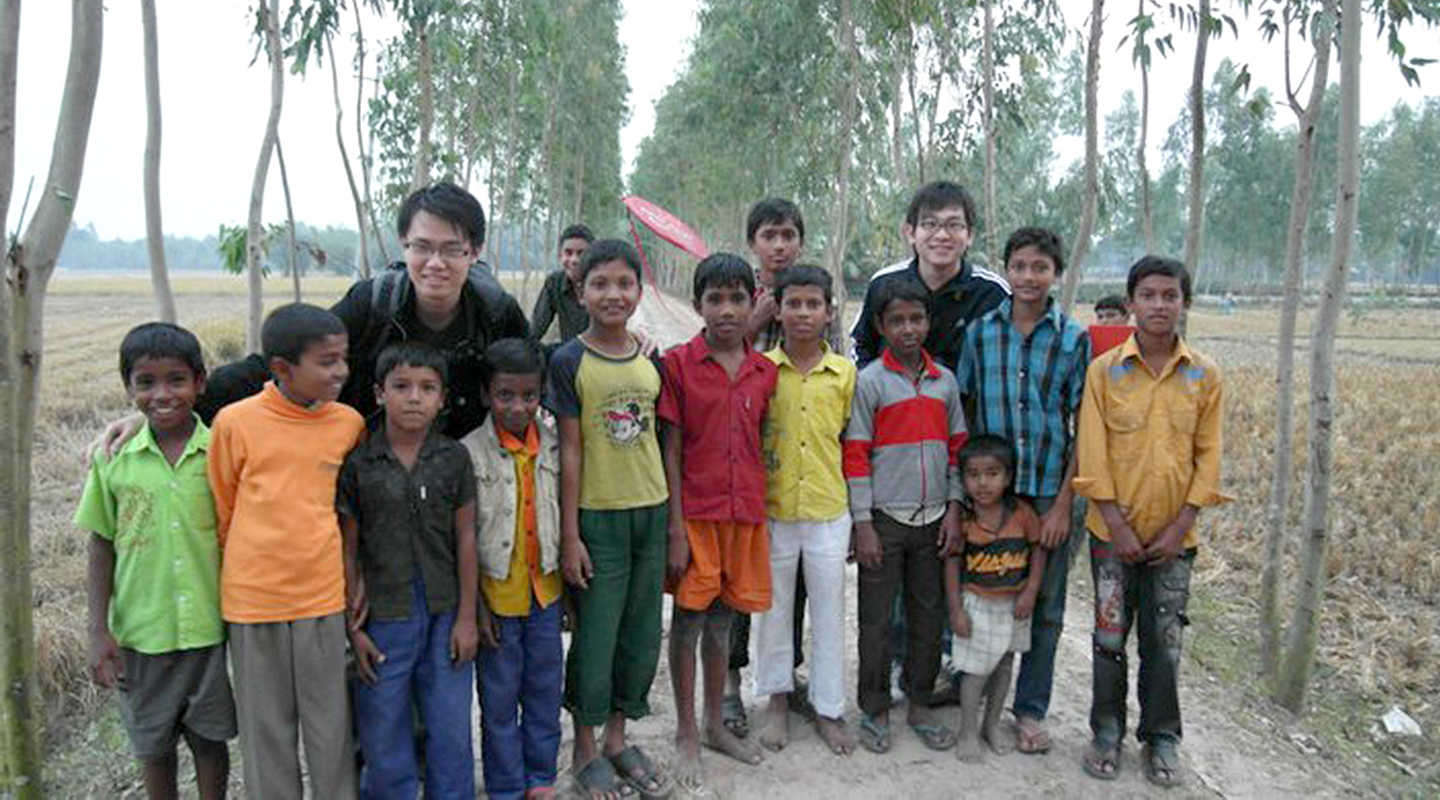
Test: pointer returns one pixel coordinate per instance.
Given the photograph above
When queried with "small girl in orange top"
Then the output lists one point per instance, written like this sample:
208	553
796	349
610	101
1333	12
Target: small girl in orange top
991	586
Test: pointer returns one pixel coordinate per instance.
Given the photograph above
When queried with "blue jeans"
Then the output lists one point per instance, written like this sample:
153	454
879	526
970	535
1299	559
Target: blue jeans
417	669
520	687
1037	667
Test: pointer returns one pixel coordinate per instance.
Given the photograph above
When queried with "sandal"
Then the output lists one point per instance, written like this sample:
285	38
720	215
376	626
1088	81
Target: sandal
1162	764
935	736
874	736
598	779
732	714
1031	737
640	773
1102	764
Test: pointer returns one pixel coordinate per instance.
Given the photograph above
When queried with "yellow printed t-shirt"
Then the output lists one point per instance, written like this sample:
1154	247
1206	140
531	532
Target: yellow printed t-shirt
511	597
808	415
1149	442
614	400
274	467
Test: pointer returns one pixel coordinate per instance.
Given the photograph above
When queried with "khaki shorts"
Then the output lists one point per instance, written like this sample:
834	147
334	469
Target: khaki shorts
165	694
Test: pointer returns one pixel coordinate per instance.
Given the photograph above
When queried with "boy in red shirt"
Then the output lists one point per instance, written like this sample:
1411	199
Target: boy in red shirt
715	393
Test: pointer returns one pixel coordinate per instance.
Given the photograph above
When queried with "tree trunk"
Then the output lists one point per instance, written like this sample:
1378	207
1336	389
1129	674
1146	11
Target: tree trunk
1081	246
364	141
289	218
1300	641
914	104
1195	192
1147	219
426	110
154	230
255	235
362	252
9	53
897	135
1279	504
29	265
987	84
841	224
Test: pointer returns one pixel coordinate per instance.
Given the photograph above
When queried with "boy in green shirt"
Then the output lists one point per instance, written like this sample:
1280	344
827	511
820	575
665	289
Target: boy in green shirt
155	628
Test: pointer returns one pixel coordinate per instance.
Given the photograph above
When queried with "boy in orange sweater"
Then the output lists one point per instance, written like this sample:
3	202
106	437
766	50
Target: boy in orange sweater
274	460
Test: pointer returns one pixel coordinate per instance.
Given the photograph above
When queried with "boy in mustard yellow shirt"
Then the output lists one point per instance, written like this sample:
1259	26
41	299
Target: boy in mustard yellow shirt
1149	453
274	461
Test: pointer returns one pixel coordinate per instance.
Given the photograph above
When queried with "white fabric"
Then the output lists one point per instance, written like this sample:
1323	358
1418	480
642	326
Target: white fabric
821	546
994	631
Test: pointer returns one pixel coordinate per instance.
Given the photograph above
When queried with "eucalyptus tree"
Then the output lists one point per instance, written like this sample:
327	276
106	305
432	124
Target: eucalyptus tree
29	264
154	229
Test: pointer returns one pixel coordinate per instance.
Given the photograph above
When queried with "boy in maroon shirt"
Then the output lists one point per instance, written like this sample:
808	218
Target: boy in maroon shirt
715	392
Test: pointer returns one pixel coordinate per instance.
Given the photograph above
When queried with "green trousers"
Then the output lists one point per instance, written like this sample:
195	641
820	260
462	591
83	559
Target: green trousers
616	645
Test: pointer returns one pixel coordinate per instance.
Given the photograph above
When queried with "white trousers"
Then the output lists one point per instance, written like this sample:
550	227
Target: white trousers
824	546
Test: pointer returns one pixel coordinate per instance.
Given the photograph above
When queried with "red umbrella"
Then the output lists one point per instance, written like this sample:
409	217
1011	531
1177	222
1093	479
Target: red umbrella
665	225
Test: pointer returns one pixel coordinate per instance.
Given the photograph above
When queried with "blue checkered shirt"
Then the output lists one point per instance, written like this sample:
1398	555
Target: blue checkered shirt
1027	389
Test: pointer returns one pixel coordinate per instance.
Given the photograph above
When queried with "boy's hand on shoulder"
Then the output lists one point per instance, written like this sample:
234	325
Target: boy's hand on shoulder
367	656
575	563
868	553
1025	604
960	623
106	668
677	554
464	640
109	441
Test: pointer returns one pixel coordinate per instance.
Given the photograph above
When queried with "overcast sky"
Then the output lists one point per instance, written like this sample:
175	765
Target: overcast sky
215	103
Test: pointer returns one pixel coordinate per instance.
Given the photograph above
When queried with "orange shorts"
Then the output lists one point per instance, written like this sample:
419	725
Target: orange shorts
729	561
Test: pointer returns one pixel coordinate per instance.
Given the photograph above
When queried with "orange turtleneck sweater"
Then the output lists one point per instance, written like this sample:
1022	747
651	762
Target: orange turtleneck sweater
273	467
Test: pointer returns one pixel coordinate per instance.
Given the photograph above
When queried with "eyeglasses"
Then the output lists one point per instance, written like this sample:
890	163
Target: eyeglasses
454	251
954	227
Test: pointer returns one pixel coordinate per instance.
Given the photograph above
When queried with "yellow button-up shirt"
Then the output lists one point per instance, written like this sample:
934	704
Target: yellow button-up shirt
511	597
807	417
1149	442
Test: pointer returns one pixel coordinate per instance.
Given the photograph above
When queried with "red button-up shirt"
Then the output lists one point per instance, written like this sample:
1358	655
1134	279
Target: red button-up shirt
723	469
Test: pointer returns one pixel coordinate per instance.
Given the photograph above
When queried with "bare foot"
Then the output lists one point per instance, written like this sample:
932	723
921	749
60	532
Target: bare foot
1000	744
836	734
689	774
721	740
775	725
968	750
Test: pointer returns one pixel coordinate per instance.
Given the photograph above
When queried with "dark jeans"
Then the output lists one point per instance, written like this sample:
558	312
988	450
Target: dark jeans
1153	599
909	568
740	630
1037	667
520	685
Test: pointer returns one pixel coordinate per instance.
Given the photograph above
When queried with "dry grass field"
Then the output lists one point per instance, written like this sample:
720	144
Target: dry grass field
1380	642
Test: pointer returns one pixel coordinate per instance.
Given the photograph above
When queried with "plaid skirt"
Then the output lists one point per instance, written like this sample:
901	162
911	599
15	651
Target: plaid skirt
994	631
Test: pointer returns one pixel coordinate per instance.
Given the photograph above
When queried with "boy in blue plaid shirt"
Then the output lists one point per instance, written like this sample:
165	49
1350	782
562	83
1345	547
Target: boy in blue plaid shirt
1022	369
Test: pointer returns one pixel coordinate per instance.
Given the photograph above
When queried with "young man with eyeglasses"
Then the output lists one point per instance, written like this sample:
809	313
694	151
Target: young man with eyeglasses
441	294
939	226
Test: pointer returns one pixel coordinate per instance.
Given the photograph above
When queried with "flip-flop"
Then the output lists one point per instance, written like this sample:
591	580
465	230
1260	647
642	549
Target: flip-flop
935	736
1102	764
1162	764
732	714
1031	737
598	777
874	736
640	773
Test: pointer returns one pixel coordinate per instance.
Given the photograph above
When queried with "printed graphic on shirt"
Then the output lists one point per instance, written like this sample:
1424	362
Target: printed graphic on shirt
624	419
1001	564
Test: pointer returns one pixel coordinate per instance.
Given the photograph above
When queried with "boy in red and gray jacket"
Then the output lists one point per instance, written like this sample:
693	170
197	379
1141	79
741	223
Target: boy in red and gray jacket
906	427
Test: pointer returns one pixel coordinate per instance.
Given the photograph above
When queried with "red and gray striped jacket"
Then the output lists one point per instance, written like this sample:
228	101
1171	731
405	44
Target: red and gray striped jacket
903	440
